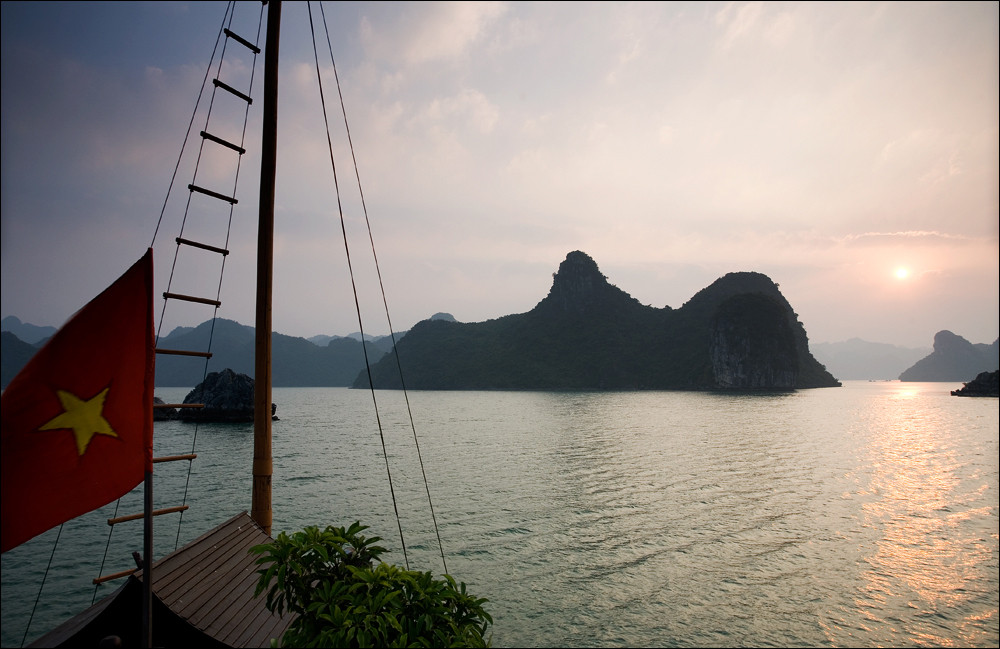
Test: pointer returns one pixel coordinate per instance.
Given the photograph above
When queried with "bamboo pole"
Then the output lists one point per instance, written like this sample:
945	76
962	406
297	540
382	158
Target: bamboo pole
260	509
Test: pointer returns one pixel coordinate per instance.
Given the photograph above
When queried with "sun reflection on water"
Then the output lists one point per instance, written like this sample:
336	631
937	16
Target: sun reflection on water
925	556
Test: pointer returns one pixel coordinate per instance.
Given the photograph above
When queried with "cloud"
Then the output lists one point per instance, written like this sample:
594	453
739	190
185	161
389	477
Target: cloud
428	32
907	235
737	21
918	153
754	22
469	107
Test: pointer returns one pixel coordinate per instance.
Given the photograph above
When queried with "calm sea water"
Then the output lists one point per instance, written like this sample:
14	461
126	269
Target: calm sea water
865	515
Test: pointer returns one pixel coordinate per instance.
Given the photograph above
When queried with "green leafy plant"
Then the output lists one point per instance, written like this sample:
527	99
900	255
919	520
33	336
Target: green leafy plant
343	596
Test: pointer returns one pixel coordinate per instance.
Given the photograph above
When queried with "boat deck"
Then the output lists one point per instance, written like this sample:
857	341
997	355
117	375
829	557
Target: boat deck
203	593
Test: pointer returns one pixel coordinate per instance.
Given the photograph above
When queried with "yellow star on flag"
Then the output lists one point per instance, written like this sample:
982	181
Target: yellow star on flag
84	418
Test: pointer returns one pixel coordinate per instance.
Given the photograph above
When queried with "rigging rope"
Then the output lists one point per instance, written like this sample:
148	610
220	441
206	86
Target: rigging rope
230	6
107	547
44	576
354	287
378	272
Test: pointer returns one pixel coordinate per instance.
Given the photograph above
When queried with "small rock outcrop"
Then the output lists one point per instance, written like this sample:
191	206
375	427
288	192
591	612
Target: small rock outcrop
228	398
162	414
986	384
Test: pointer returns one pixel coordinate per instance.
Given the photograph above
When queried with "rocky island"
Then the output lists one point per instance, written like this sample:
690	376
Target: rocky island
986	384
587	334
228	398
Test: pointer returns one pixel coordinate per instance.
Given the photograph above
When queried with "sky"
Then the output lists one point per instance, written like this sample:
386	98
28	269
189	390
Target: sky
849	151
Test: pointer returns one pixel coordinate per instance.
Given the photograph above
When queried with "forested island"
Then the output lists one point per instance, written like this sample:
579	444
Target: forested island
737	334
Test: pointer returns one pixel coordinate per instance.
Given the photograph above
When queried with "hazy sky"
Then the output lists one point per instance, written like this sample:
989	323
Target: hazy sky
826	145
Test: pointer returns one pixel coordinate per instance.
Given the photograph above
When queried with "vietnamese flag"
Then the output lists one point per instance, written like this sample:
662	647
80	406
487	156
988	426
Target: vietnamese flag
77	421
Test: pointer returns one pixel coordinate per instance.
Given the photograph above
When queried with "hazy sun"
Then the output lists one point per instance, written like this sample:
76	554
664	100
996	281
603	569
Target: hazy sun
902	273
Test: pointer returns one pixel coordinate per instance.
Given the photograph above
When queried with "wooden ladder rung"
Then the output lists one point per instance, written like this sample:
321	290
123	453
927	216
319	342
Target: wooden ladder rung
124	573
227	87
190	298
218	140
182	352
175	458
242	41
208	192
203	246
113	576
156	512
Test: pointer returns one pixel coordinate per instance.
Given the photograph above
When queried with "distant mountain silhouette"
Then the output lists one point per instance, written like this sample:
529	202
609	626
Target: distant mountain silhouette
739	333
382	342
954	359
232	348
295	362
860	359
26	332
14	355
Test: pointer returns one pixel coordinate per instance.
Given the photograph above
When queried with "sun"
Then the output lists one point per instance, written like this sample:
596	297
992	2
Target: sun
902	273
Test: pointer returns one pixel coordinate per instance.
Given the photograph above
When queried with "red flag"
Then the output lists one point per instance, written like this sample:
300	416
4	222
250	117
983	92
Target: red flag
77	421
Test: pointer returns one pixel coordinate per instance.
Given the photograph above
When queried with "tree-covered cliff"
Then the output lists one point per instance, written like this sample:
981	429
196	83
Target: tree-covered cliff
737	334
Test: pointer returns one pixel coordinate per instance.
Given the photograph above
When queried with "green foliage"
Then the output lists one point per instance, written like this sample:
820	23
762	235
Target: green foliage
343	596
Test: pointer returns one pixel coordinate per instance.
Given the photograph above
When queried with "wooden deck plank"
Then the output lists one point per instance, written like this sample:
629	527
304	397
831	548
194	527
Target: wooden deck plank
186	570
243	605
260	631
207	586
230	566
236	586
178	564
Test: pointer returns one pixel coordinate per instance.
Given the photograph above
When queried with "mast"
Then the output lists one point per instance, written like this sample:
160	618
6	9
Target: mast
260	509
